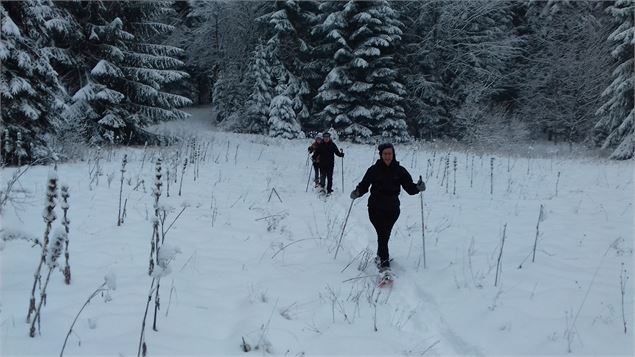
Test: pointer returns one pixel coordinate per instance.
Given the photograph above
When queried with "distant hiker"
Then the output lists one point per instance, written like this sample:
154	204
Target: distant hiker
315	158
326	151
385	178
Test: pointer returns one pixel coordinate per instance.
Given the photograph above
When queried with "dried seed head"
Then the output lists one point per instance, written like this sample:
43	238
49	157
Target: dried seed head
65	193
49	214
110	280
55	248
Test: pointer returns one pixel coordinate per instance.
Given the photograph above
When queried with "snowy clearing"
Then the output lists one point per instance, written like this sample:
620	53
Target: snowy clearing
254	255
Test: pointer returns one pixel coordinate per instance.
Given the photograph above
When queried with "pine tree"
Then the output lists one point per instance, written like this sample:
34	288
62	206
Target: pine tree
376	36
116	73
213	35
230	94
31	95
282	120
257	108
429	99
291	51
322	62
333	99
615	128
360	95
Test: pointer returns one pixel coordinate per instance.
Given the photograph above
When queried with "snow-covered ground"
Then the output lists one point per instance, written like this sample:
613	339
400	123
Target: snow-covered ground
258	266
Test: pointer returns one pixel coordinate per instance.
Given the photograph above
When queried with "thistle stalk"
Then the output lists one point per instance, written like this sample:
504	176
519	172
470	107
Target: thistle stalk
66	222
49	216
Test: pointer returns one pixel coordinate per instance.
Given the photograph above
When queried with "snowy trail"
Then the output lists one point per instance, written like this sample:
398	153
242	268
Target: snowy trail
408	307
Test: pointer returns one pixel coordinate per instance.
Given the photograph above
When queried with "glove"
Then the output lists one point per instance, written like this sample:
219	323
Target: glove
421	186
355	194
342	152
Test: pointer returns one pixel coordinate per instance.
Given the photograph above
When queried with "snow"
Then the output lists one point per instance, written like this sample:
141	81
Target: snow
29	111
257	265
18	85
55	247
110	279
359	63
9	27
24	61
368	52
105	68
112	120
4	50
334	20
376	42
93	91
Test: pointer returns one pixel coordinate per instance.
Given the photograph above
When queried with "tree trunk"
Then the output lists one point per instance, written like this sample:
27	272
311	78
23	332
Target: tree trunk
204	90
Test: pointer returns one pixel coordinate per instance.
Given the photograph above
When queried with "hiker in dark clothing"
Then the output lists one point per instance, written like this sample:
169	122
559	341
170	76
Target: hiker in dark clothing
385	178
315	158
326	152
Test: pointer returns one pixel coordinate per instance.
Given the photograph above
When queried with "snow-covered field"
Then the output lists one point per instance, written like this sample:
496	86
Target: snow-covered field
258	266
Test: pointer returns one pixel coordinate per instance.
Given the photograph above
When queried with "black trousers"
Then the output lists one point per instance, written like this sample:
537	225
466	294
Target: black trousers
316	168
326	176
383	219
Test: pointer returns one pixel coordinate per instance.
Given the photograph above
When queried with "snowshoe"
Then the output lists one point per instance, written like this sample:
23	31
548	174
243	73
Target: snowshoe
386	278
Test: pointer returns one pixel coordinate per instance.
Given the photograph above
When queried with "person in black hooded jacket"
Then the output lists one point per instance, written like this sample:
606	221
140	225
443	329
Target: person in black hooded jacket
327	151
385	178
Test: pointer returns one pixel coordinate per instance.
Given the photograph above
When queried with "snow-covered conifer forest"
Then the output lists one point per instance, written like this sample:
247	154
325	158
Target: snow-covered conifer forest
157	197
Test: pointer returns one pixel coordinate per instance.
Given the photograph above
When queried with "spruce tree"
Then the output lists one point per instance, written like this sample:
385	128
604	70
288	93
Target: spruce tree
361	95
615	128
333	99
31	95
230	94
291	48
116	73
257	108
282	120
377	32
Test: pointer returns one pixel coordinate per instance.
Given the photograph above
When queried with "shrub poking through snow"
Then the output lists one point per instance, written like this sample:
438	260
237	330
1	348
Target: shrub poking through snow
154	241
52	257
541	217
454	181
65	222
49	217
182	175
623	286
123	171
500	256
491	175
109	284
160	257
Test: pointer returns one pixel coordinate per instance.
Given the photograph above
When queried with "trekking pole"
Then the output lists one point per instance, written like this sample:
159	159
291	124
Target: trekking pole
306	164
423	229
343	228
342	170
308	179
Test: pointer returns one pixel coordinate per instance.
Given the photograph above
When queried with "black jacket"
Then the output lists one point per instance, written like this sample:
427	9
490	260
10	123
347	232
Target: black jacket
326	152
386	183
313	149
